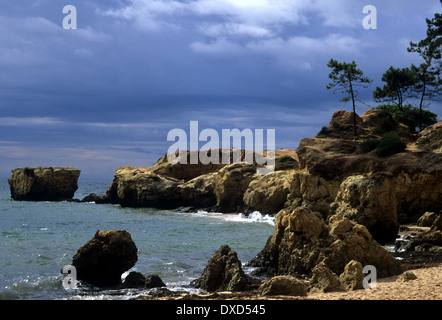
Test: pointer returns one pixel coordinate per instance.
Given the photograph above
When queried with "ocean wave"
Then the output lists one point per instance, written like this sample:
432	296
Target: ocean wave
254	217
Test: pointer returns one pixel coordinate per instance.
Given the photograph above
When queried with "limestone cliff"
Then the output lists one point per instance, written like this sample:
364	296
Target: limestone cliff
328	174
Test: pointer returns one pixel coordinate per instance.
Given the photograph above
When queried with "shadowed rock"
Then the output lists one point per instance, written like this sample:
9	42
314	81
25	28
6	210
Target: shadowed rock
223	272
103	259
43	183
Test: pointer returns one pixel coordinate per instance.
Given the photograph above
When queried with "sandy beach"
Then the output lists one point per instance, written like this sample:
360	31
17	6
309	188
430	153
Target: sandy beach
427	286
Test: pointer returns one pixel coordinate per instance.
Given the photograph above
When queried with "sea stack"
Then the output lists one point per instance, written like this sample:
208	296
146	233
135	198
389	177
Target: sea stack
103	259
44	183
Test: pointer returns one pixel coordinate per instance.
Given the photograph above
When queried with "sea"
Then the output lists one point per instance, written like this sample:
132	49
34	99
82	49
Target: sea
38	239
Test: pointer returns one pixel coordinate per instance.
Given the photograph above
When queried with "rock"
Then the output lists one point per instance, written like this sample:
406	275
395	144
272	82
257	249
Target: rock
268	194
103	259
141	187
187	171
429	238
230	183
92	197
222	273
44	183
283	285
301	241
427	219
134	280
370	202
324	280
406	276
356	243
353	276
154	281
312	151
430	139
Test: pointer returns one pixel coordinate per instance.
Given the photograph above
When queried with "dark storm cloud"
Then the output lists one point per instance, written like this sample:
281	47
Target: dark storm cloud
107	93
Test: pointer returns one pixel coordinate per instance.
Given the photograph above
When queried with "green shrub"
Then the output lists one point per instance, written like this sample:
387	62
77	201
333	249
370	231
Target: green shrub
423	141
324	131
390	144
410	115
285	159
438	135
369	145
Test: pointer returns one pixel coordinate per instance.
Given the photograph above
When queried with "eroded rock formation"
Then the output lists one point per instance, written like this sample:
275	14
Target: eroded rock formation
328	174
302	240
44	183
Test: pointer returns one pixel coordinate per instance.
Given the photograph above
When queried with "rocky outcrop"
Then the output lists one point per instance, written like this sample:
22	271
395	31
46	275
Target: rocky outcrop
430	139
301	241
369	201
230	184
140	187
223	272
268	194
103	259
427	219
328	174
44	183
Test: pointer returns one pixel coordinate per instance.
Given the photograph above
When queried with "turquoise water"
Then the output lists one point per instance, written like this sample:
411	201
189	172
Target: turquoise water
38	238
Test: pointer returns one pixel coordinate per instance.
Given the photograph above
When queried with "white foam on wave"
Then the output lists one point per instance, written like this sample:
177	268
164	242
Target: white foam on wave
254	217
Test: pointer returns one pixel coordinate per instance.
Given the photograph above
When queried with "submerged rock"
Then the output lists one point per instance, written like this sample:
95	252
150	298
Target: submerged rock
44	183
135	280
154	281
103	259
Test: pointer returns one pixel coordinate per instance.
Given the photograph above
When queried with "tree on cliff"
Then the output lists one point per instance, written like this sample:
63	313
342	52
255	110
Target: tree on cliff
347	79
427	75
398	86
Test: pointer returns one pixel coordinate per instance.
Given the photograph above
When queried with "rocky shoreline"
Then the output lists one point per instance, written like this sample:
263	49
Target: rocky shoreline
335	206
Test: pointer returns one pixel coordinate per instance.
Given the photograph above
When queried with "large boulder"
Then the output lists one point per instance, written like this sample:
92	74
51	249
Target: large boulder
103	259
44	183
283	285
324	280
222	273
301	241
353	276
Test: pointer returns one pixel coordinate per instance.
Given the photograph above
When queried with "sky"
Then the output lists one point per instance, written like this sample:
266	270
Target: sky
107	93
